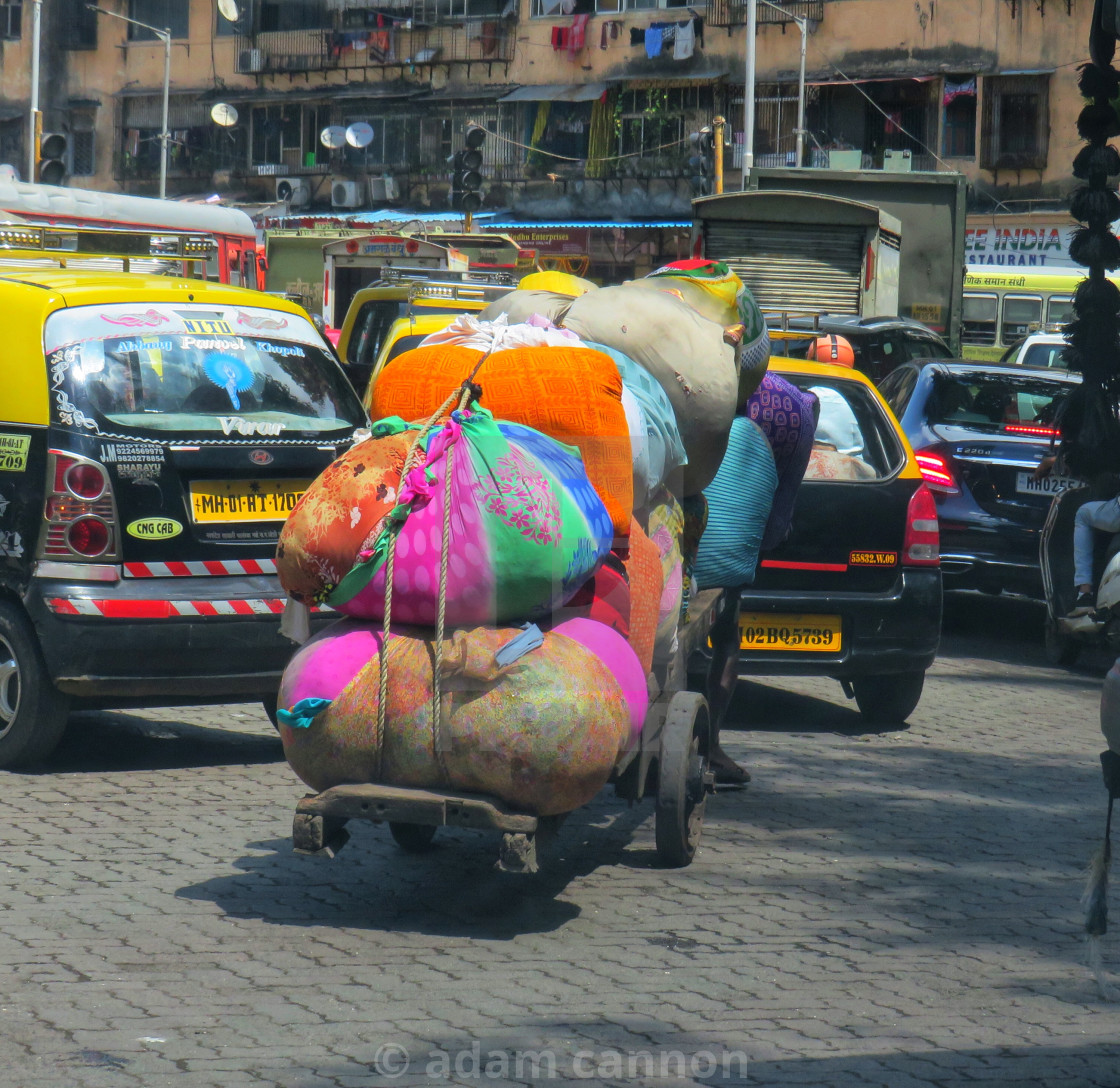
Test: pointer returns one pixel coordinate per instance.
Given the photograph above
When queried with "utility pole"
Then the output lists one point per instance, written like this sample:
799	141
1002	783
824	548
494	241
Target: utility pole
749	74
164	136
35	121
718	124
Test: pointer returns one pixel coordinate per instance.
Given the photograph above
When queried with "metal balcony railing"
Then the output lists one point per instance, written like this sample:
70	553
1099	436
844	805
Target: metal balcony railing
734	12
401	42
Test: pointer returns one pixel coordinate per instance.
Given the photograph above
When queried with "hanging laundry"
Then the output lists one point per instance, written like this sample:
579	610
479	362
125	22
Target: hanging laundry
654	36
489	37
637	35
893	123
577	36
560	37
609	33
684	41
966	88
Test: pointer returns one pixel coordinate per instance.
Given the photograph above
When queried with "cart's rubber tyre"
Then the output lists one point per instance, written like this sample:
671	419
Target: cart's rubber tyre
681	786
412	838
888	699
32	711
1060	650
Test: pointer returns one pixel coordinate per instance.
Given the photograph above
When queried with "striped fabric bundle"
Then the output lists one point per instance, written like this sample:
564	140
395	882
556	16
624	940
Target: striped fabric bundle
739	502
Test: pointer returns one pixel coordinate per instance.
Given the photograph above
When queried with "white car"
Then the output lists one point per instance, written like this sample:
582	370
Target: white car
1040	349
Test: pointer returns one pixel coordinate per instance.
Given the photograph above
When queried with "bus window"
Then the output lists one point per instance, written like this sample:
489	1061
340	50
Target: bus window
1059	309
1020	313
979	321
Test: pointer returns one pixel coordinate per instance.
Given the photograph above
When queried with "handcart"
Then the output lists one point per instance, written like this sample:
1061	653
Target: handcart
669	760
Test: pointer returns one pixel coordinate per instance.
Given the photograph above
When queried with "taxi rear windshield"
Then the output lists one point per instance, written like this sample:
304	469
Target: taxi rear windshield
854	439
199	374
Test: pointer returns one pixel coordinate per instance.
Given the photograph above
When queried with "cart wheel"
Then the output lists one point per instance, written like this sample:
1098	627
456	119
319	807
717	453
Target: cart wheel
682	787
412	838
1060	649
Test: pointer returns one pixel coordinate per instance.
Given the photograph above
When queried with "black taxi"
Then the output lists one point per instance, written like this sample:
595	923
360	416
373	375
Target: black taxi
854	591
155	431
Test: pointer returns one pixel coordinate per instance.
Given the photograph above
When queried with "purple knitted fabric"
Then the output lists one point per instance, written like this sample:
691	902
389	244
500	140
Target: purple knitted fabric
785	415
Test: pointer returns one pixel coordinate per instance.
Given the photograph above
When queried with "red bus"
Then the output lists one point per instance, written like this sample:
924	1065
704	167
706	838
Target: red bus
239	259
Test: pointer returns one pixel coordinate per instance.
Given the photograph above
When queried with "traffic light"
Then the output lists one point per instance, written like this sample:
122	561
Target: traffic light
52	158
466	176
700	162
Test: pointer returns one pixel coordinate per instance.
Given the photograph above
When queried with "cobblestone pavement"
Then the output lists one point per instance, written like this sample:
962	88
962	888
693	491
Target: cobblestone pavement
894	909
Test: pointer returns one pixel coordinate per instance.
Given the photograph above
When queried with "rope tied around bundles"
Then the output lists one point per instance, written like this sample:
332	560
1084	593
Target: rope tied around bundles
467	393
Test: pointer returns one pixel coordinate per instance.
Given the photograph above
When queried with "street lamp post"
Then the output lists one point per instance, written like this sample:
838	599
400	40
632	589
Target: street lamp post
802	22
35	126
164	136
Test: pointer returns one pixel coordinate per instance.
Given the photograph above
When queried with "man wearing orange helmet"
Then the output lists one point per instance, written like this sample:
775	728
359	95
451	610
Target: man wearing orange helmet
833	349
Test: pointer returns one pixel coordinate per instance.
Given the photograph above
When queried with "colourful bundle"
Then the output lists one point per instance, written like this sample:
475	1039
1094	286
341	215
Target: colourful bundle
542	733
739	502
526	528
785	415
341	513
572	394
662	452
666	530
684	351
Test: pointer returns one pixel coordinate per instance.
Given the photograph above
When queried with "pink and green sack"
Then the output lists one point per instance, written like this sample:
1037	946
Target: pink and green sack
527	528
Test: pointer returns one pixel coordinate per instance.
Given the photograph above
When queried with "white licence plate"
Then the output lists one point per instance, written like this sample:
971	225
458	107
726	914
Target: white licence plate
1048	485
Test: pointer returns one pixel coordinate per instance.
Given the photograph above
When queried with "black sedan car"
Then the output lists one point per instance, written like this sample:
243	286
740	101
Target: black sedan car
878	343
979	431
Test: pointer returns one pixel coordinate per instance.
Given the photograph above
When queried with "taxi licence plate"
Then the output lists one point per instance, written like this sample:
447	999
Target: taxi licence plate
244	500
789	631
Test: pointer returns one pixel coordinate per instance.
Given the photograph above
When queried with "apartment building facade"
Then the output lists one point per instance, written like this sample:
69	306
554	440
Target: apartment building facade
589	104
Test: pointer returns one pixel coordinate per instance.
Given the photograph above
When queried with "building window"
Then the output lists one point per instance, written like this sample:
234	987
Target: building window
958	102
654	123
79	27
170	15
11	13
1015	131
293	15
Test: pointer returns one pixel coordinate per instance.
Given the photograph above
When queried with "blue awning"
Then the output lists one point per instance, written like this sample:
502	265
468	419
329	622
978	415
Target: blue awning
571	224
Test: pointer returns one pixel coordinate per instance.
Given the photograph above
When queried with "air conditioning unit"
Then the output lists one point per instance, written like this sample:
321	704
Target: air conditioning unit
249	60
897	161
383	189
345	194
845	160
294	191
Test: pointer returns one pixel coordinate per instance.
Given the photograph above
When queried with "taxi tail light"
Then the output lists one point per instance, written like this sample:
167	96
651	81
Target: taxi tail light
921	545
937	472
79	511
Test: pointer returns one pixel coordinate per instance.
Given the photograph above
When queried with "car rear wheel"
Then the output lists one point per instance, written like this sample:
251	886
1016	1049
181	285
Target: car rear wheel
883	700
32	712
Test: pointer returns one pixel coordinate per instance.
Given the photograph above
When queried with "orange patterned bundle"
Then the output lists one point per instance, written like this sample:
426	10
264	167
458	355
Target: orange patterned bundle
572	394
643	567
339	514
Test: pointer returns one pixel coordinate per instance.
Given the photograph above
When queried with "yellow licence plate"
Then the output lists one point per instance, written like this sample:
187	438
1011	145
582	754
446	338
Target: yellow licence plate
789	631
244	500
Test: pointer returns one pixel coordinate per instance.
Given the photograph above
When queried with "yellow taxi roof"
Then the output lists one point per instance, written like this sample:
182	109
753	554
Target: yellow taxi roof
84	287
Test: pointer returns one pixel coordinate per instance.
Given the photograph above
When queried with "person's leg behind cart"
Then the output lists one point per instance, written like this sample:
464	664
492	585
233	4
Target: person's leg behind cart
723	675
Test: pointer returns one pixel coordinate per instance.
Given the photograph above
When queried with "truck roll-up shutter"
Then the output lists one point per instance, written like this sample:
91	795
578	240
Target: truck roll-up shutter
792	267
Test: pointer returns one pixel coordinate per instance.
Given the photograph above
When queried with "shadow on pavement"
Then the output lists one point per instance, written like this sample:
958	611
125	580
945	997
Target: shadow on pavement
101	741
451	890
